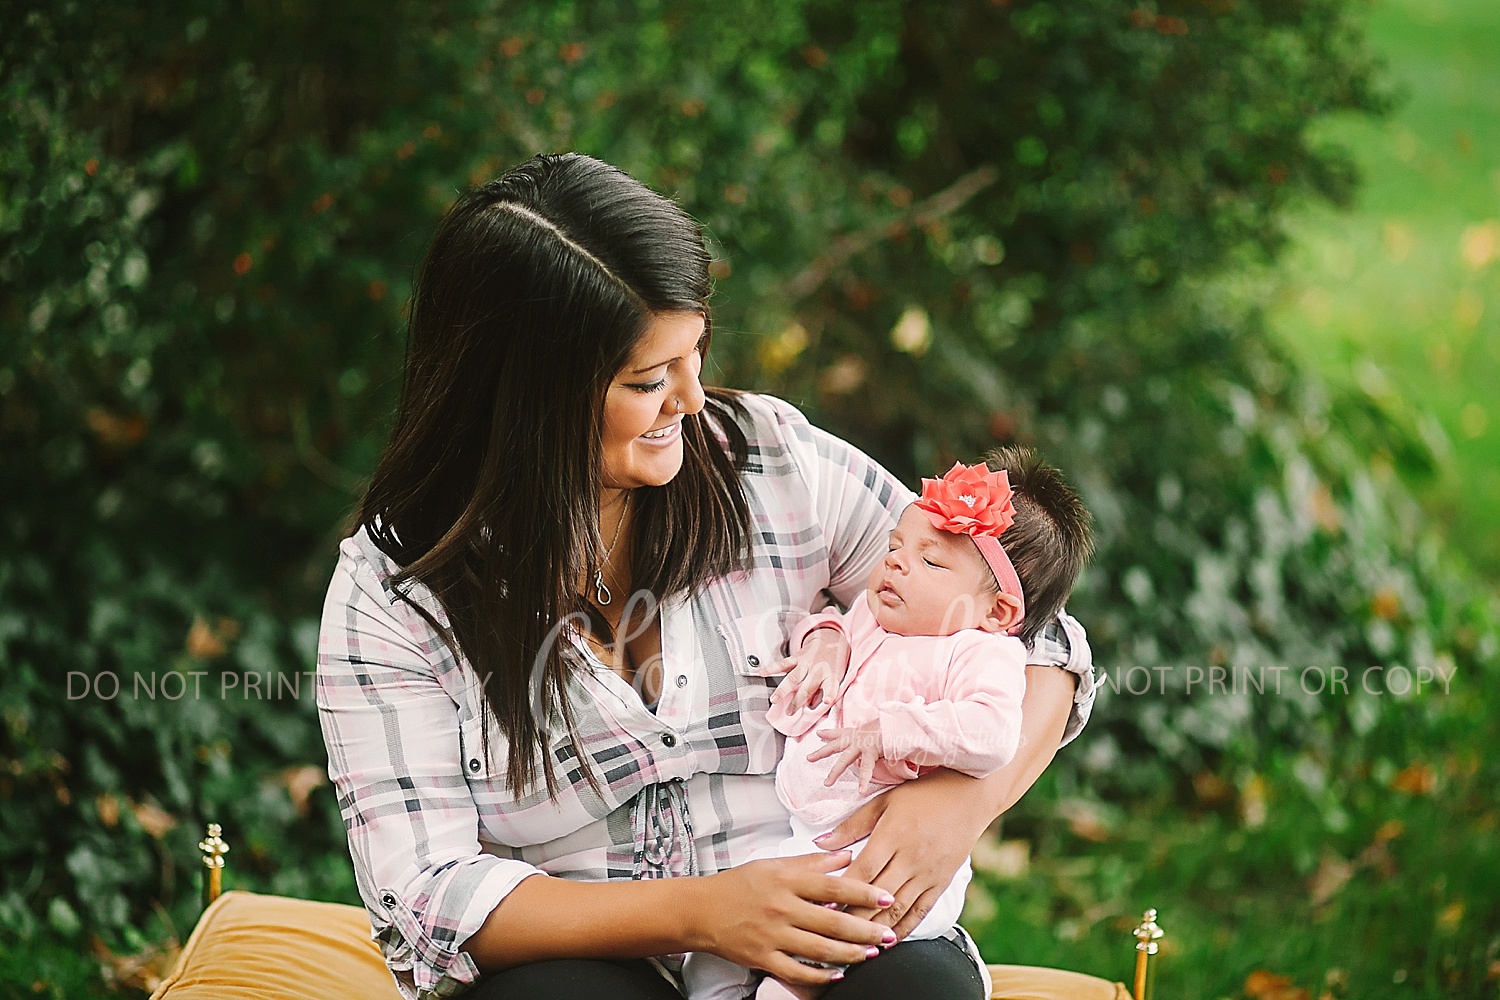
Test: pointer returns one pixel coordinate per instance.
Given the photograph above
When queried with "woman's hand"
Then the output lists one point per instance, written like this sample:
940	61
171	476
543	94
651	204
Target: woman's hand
920	833
767	914
818	670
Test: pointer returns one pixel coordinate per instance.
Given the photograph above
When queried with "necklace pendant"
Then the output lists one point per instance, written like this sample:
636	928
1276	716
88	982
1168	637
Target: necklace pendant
601	592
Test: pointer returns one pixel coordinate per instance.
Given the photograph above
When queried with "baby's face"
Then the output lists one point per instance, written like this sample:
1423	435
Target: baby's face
931	582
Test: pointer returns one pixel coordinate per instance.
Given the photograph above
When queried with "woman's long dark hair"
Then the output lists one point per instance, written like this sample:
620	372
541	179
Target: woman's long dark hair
533	292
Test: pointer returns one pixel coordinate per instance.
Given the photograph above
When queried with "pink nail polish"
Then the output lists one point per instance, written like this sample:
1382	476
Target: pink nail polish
871	951
888	938
885	899
836	975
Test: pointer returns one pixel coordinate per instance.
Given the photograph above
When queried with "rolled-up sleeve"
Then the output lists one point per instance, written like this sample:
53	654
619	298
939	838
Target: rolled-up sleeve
396	760
1063	643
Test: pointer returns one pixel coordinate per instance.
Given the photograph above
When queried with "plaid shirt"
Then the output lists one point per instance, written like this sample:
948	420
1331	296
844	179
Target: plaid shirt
436	837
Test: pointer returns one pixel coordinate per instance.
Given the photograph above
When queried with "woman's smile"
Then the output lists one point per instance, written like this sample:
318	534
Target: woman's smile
664	435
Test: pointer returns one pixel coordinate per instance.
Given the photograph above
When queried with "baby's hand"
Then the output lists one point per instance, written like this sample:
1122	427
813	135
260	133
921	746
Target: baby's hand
818	670
861	744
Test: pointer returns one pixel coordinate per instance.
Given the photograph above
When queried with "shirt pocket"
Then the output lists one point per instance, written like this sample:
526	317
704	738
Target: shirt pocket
478	765
533	816
757	643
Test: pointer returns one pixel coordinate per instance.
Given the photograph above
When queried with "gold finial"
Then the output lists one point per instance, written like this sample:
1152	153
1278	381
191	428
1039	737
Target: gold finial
214	849
1146	936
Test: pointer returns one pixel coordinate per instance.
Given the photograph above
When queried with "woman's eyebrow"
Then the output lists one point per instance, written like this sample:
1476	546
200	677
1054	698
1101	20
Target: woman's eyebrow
696	344
642	371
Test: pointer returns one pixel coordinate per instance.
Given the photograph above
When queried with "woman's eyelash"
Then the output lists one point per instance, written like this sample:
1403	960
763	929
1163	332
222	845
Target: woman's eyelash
649	387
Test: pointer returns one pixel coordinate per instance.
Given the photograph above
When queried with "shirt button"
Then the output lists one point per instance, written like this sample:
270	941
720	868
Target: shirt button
388	899
668	740
753	660
474	764
682	680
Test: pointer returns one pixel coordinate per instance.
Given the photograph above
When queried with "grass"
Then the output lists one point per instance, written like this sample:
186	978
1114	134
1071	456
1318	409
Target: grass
1401	297
1259	896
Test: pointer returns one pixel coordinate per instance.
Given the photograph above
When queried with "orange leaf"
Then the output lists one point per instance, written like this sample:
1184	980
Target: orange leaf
203	642
1333	873
1418	779
109	809
1263	985
153	818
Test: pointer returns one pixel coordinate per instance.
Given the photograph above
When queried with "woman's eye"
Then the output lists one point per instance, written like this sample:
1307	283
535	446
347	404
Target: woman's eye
650	386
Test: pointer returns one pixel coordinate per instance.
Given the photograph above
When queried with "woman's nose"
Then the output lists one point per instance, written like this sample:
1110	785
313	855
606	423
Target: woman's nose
689	397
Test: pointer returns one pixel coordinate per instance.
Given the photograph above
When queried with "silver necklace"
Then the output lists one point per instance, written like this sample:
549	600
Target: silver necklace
601	592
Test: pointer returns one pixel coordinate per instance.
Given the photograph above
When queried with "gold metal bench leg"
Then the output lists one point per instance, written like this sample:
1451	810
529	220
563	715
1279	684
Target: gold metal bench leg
214	849
1146	936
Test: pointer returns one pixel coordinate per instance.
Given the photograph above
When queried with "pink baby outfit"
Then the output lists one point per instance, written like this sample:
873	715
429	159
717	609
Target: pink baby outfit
942	701
949	701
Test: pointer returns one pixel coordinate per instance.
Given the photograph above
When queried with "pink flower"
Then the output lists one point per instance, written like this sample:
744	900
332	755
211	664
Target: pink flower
969	500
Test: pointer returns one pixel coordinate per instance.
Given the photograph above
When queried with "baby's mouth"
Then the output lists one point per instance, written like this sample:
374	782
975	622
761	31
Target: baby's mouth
886	594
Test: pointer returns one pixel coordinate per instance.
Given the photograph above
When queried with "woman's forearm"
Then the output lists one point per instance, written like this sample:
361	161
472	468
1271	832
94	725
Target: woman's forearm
546	917
1044	716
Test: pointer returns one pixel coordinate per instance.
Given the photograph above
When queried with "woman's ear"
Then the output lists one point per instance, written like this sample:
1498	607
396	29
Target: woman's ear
1003	615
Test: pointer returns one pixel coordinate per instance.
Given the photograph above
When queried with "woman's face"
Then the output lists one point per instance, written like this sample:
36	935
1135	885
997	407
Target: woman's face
646	401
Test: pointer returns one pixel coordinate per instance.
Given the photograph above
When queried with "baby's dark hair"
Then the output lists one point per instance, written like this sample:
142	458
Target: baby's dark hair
1051	537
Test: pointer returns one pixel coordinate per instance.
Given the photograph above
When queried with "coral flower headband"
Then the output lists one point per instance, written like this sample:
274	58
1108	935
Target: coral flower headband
971	500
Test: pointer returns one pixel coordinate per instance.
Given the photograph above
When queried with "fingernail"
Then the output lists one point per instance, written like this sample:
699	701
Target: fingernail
888	938
885	899
871	951
822	837
836	975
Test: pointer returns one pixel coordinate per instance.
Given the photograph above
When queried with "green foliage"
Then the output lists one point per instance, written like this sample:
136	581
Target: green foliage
938	225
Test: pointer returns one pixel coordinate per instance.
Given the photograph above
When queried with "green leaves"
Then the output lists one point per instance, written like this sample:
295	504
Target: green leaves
207	231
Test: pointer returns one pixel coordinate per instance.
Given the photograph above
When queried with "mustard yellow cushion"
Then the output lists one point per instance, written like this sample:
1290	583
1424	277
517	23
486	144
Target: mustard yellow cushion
1027	982
250	947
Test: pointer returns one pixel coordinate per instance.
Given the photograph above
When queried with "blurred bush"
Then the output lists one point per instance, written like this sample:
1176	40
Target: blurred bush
938	226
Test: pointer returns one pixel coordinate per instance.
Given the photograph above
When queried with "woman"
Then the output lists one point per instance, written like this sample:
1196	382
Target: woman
549	647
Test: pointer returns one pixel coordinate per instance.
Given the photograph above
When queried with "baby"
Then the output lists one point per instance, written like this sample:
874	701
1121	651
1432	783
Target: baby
937	665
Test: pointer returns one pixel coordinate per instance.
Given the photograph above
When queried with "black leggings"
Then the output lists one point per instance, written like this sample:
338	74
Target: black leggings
914	970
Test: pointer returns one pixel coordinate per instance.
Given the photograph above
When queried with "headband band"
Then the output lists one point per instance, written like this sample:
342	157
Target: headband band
971	500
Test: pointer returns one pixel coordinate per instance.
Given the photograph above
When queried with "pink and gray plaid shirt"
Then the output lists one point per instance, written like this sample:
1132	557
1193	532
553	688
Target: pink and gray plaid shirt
687	788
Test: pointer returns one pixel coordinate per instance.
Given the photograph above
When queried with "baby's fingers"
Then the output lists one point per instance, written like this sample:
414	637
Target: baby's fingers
829	688
848	757
867	759
837	745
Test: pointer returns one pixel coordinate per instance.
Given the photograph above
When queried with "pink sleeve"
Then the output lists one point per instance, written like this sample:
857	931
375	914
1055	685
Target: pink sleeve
975	726
802	721
823	619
